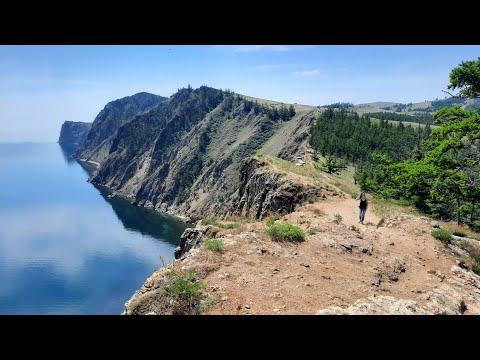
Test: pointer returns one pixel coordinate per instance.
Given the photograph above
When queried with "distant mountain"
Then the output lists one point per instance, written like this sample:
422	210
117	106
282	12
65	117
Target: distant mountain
74	132
109	120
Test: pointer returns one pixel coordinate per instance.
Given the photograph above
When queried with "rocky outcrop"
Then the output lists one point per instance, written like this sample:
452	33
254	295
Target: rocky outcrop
377	305
191	238
263	191
74	133
110	119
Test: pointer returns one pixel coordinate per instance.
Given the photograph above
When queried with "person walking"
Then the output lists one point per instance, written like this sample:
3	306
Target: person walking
362	206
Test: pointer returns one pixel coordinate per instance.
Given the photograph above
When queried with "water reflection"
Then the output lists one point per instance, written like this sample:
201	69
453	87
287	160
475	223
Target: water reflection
62	248
67	151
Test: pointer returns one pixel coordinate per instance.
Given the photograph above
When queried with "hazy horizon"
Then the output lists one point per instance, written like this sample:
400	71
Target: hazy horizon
43	86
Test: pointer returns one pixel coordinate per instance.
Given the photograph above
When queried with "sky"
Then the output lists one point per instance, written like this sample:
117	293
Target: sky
42	86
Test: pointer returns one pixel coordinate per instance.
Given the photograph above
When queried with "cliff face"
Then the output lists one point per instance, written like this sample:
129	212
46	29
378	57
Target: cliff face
263	191
74	132
108	121
183	156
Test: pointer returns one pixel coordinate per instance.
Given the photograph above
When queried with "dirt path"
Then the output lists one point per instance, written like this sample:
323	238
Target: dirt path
348	208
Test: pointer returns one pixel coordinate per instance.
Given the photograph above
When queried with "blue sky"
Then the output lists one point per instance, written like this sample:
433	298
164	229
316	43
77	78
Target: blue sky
42	86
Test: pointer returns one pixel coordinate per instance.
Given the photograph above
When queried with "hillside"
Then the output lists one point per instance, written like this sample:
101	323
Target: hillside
108	121
74	133
391	265
183	156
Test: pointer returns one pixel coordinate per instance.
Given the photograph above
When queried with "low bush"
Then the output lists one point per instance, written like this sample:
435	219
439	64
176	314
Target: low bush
286	231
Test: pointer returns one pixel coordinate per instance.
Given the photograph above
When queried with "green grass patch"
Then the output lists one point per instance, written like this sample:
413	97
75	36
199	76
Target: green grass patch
338	217
214	245
272	220
209	221
443	235
183	284
369	223
286	231
476	267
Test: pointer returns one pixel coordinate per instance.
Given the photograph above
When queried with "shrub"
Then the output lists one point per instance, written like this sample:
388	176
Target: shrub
443	235
338	217
272	220
313	231
183	284
213	245
285	231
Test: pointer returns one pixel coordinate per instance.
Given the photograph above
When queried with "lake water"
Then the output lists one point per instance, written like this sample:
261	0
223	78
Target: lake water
65	247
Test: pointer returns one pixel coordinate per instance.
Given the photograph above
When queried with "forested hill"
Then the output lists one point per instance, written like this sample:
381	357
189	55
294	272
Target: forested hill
108	121
183	156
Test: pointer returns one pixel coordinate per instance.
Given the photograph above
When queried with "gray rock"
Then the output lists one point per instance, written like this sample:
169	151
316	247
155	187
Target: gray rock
435	225
348	247
191	238
377	305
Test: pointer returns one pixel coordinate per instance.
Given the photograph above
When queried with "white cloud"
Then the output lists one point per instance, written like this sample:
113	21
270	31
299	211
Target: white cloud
307	73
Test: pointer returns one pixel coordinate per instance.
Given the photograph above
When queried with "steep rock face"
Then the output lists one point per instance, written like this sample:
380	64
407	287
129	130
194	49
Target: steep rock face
74	132
108	121
183	156
190	238
262	191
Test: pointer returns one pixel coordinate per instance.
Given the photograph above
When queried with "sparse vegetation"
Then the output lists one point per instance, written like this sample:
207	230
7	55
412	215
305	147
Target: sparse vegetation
459	233
464	244
215	245
443	235
285	231
209	221
354	228
319	212
338	217
369	223
432	271
313	231
272	220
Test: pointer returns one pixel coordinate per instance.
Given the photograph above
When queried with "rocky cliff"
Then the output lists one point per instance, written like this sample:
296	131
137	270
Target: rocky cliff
74	132
184	155
263	191
116	113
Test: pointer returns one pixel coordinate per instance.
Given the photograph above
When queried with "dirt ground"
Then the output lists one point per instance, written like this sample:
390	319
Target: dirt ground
336	266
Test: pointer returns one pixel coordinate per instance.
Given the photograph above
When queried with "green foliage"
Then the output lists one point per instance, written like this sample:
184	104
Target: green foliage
332	165
344	134
338	217
459	233
418	118
209	221
354	228
272	220
466	78
443	235
313	231
183	284
213	245
285	231
339	105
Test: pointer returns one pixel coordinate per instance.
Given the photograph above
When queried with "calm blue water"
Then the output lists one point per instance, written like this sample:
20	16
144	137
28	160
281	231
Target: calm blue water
65	248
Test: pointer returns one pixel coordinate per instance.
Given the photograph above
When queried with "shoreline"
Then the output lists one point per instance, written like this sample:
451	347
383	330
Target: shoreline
97	164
